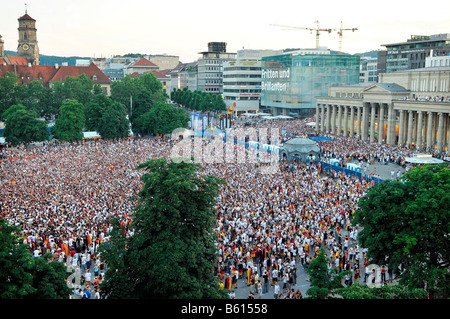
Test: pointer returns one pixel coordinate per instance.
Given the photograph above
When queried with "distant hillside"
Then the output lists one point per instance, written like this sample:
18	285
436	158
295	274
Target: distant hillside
52	59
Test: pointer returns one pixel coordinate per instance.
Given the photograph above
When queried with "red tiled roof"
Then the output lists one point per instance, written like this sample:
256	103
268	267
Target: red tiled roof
75	71
17	60
158	74
49	73
144	62
27	74
26	17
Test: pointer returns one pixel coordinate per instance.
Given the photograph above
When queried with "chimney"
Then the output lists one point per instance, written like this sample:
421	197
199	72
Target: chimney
29	64
56	66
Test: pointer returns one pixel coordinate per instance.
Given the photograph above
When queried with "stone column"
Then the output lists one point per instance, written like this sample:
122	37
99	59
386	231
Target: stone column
365	122
345	113
317	118
401	128
328	122
390	138
410	127
352	120
419	129
381	124
372	122
322	118
429	130
440	139
333	119
358	123
448	138
339	123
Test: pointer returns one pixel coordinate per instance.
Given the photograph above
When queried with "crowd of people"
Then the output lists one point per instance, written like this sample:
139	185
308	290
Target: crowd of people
63	196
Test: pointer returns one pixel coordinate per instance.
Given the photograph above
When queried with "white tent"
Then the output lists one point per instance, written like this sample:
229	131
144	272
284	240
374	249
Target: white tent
284	117
423	159
311	124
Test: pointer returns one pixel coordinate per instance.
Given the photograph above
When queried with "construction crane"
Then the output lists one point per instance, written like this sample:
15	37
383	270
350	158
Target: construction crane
317	29
340	35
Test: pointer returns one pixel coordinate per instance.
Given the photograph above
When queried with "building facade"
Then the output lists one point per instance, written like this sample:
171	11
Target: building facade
242	80
368	70
28	44
291	82
412	54
400	110
210	67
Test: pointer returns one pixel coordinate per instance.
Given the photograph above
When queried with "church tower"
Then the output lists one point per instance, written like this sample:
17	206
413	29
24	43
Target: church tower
2	48
28	44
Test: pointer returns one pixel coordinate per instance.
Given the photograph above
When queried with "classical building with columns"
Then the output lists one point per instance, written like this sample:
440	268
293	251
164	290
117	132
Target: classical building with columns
407	107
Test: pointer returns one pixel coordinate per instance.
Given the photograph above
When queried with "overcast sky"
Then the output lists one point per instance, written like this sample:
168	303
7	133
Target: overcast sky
103	28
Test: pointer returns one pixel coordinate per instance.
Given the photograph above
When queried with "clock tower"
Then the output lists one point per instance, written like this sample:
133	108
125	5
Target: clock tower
28	44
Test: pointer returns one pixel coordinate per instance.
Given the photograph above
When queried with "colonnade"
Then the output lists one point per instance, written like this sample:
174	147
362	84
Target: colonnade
386	123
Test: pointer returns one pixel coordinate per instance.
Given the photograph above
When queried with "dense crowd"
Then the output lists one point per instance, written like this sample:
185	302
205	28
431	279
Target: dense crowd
63	196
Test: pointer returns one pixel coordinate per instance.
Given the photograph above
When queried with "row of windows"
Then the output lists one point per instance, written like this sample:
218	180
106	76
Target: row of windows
242	83
243	98
242	76
242	91
242	68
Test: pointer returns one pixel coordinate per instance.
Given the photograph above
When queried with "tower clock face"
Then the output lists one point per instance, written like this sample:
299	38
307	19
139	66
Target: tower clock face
25	47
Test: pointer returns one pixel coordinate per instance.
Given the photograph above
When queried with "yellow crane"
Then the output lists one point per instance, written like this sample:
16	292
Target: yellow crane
340	35
317	30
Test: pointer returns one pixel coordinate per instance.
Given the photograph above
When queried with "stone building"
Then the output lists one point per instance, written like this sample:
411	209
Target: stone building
407	107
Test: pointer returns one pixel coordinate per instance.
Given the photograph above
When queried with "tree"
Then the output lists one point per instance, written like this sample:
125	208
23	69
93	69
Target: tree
323	281
24	277
114	122
94	110
22	126
357	291
172	252
405	225
69	124
162	118
142	92
8	91
15	281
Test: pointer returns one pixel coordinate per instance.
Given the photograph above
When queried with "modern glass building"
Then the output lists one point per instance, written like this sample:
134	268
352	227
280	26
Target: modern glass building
291	82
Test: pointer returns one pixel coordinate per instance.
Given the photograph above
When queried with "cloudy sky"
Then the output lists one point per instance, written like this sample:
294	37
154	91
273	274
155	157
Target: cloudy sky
103	28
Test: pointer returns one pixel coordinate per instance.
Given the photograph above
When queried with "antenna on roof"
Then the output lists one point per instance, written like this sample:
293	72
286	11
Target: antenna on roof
25	8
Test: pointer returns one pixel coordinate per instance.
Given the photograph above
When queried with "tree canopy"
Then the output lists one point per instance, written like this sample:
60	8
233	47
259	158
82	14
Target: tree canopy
162	118
24	277
138	94
69	124
22	126
405	225
197	100
171	253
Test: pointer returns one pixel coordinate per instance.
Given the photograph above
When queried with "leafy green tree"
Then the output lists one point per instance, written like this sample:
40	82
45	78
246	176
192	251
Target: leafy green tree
15	281
114	122
162	118
69	124
22	126
8	91
172	252
137	94
323	281
358	291
24	277
405	225
94	110
49	278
